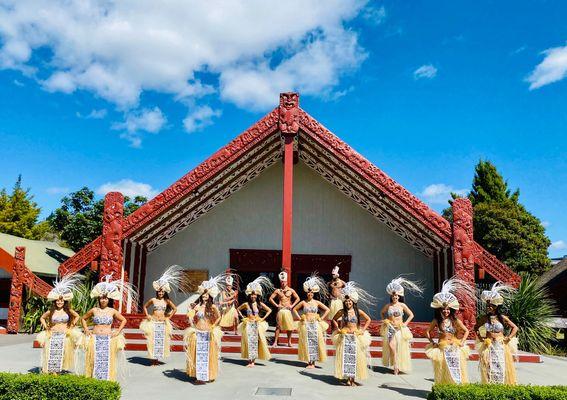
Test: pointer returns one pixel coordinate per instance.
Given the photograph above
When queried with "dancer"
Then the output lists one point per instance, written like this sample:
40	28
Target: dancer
60	338
157	326
394	330
104	345
229	298
253	328
287	298
312	326
496	350
203	338
335	287
450	354
351	338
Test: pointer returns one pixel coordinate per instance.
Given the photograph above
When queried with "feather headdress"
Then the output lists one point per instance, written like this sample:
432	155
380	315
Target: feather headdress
447	296
497	293
64	287
214	285
261	286
317	285
171	279
116	290
399	284
357	294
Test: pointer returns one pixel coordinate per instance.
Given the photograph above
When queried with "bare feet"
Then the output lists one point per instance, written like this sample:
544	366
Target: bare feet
250	364
396	370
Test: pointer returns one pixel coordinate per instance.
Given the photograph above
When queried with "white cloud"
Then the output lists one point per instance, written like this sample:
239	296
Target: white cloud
18	83
94	114
148	120
57	190
374	15
439	193
252	49
545	224
128	188
200	118
553	68
558	245
425	72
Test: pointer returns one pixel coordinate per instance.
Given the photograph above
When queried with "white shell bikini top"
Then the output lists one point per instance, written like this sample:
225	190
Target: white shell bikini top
494	327
60	320
395	312
310	309
103	319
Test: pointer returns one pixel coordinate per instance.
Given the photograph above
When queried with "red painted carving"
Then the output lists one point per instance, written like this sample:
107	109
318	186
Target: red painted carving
464	254
289	114
111	251
82	258
496	268
386	185
22	276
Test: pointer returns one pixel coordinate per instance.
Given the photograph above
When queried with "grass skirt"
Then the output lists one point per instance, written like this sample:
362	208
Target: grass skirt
263	352
402	337
193	353
284	320
148	327
449	361
116	361
358	364
319	351
335	306
229	318
59	350
496	360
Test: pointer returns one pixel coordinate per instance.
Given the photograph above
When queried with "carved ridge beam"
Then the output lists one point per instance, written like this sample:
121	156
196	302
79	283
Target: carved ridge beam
82	258
495	267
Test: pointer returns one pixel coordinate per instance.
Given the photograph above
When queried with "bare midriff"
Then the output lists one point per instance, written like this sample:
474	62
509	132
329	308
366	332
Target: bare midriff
157	313
284	297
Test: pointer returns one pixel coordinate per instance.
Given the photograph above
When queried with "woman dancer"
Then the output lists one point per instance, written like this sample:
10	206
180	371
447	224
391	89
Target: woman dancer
312	326
157	326
394	330
351	339
450	354
229	298
497	350
253	328
60	338
203	338
104	357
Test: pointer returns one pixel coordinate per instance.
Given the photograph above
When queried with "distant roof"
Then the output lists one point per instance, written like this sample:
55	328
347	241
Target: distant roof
42	257
555	271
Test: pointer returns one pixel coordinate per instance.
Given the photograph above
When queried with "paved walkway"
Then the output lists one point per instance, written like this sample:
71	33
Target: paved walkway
237	382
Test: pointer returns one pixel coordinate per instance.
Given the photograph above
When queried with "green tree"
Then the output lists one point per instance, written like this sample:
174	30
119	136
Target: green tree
502	225
79	219
19	213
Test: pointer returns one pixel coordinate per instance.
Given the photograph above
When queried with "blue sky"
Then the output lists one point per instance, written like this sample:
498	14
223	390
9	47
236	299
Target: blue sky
132	95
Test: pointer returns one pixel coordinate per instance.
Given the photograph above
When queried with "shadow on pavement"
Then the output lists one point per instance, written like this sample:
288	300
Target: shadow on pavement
178	374
141	361
293	363
328	379
382	370
241	362
35	370
407	391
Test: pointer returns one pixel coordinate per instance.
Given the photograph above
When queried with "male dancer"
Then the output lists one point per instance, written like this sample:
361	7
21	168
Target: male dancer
287	298
335	287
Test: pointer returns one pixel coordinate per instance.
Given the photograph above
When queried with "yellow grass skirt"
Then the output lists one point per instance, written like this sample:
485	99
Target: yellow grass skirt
402	337
190	340
73	339
303	349
117	358
229	317
503	371
284	320
442	370
147	327
263	350
362	344
335	306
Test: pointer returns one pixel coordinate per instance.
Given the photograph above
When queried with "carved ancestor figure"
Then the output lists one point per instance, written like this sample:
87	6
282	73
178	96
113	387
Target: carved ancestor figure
289	113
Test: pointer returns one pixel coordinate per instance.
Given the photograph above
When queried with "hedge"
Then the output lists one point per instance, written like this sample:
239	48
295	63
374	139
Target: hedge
55	387
497	392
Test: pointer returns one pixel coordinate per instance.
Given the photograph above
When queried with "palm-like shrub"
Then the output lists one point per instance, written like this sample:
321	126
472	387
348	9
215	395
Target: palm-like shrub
34	308
531	309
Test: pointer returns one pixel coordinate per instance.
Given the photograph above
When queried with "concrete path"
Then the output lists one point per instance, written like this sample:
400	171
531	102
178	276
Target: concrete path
237	382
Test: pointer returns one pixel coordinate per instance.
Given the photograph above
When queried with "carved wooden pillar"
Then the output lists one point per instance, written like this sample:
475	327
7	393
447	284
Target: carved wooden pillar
464	254
289	128
111	257
16	290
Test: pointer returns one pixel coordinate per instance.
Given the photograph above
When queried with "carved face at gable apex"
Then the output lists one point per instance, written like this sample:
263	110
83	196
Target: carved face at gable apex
289	100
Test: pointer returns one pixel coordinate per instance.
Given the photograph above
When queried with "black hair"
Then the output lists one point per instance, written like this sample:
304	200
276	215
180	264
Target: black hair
439	316
354	307
66	308
208	305
168	308
110	301
400	299
497	312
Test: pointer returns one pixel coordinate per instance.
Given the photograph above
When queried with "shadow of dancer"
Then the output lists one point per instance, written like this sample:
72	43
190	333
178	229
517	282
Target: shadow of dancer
328	379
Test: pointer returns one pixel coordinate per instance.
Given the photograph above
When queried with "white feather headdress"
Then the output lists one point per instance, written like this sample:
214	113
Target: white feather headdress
317	285
447	296
214	285
261	286
64	287
170	280
357	294
399	284
116	290
497	293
